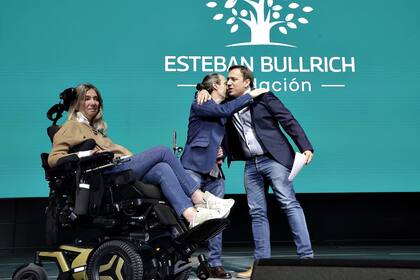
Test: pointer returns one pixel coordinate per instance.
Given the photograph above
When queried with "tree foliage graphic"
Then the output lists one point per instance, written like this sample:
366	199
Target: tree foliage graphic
261	16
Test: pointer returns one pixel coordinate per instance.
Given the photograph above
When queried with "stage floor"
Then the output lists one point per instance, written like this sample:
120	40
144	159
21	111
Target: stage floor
240	258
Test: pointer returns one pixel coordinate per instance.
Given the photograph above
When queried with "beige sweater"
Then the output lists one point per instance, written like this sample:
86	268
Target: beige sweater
73	133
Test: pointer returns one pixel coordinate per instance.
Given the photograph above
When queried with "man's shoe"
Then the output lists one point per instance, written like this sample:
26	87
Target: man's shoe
246	274
306	257
219	272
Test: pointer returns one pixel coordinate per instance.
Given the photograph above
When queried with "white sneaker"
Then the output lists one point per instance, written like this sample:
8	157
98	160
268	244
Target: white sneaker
205	214
211	201
222	211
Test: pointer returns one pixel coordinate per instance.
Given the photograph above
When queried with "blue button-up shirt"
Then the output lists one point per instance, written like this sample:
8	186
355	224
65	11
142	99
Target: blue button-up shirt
243	124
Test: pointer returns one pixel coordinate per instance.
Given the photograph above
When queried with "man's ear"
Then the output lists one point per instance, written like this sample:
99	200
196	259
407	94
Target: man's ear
247	82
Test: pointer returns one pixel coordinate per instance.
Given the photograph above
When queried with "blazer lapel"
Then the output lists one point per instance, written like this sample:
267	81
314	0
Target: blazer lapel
251	110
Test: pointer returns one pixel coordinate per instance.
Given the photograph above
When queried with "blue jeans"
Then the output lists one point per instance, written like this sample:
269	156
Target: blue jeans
159	166
216	187
262	169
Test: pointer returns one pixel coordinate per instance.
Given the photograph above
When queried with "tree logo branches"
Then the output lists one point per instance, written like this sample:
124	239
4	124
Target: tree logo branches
261	16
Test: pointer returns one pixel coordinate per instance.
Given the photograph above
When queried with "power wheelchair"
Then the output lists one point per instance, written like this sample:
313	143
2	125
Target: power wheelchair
102	225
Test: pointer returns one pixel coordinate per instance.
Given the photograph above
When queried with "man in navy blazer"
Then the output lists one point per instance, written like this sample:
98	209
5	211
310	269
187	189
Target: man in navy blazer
254	135
202	151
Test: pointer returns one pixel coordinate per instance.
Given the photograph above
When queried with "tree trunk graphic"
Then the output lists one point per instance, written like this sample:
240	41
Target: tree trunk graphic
260	25
260	34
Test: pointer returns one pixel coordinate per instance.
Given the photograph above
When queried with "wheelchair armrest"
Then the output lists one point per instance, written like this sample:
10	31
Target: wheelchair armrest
69	160
88	144
65	166
72	161
96	160
101	158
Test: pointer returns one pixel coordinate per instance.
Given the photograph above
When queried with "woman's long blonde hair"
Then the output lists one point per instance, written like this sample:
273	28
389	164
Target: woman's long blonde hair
81	90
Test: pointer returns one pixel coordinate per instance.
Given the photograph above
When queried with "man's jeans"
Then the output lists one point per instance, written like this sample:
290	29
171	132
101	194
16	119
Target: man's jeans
159	166
262	169
216	187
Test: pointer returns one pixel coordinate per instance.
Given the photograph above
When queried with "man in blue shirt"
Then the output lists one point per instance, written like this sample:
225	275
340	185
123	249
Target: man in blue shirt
253	135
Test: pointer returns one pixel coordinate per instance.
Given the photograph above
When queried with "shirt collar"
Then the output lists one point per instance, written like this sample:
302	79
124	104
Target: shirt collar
81	118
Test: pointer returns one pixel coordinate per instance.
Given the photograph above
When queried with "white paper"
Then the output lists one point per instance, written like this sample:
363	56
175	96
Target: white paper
299	162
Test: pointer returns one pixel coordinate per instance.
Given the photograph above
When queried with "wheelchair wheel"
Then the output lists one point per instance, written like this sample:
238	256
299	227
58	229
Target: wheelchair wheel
30	272
117	260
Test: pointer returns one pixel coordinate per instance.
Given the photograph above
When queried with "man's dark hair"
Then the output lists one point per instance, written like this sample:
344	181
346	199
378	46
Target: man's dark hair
246	73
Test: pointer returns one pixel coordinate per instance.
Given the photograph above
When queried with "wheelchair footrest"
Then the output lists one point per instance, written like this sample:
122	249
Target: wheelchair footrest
203	232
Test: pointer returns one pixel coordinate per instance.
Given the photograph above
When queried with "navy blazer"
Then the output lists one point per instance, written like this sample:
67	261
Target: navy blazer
206	129
267	112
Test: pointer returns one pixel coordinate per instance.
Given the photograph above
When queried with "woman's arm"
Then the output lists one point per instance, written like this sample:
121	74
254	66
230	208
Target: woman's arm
64	139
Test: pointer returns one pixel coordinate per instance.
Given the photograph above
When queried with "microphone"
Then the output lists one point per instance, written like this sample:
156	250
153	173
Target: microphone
177	150
174	141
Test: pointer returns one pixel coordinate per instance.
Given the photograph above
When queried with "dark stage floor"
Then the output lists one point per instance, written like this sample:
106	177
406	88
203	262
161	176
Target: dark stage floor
240	258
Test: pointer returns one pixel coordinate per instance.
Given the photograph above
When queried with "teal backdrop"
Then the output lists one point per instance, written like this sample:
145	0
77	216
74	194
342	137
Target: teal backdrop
363	119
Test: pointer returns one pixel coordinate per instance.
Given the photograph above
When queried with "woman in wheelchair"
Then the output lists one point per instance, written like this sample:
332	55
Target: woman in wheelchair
156	166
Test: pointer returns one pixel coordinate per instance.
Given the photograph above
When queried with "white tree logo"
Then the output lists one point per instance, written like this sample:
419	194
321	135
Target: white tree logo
261	16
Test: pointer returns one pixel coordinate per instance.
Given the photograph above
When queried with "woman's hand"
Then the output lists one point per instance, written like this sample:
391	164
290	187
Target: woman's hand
88	153
220	155
257	92
203	96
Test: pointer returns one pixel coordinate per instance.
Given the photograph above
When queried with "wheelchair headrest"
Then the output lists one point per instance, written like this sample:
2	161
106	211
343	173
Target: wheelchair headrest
66	99
68	96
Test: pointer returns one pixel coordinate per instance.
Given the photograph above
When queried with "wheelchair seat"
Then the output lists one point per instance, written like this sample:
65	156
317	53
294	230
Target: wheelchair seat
148	190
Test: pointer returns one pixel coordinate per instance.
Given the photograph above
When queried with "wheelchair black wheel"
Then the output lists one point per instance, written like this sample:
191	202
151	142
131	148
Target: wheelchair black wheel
115	259
30	272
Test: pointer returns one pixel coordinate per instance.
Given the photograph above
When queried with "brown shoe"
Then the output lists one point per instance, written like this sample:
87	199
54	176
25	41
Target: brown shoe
219	272
245	274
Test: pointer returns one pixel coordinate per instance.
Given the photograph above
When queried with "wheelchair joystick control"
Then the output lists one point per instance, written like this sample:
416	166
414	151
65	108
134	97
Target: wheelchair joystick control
82	199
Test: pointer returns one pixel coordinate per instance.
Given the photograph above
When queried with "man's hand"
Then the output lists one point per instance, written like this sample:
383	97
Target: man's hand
220	155
203	96
257	92
309	155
